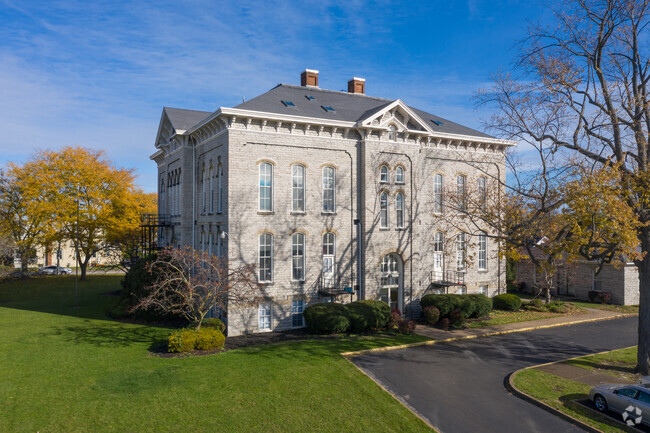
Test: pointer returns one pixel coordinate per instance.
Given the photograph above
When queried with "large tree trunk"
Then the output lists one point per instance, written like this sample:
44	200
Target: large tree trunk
643	351
84	265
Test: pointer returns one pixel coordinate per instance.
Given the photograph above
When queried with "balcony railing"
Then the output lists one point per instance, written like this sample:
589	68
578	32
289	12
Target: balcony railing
447	278
155	220
333	284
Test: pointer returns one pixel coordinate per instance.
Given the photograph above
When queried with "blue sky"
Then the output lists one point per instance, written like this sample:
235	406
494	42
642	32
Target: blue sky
97	74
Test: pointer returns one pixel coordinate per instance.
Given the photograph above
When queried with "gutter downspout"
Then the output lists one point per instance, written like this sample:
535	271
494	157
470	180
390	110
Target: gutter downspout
193	194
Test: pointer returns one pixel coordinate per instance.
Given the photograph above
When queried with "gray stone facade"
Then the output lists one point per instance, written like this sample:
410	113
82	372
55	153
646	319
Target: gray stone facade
240	140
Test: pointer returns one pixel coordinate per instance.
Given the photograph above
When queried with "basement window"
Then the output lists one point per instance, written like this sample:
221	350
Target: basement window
288	104
328	108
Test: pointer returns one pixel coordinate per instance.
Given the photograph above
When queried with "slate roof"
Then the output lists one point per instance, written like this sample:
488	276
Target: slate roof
184	119
350	107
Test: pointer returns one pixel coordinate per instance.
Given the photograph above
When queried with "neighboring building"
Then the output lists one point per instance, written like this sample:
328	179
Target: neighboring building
66	257
334	195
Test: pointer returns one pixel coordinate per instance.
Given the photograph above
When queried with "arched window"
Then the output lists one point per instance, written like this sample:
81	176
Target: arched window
266	187
392	133
329	189
298	188
399	175
329	251
399	209
461	252
482	192
383	210
437	193
211	180
220	188
460	191
298	257
482	251
383	174
266	257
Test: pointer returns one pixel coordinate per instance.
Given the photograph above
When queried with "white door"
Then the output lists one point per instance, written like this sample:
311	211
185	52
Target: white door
328	271
437	266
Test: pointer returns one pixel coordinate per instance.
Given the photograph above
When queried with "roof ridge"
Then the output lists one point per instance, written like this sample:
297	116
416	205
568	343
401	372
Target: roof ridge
341	92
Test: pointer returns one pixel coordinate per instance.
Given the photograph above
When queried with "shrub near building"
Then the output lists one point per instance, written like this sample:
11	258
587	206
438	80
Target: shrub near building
507	301
471	306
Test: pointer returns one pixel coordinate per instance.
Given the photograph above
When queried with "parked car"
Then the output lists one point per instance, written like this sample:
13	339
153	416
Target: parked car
632	401
54	270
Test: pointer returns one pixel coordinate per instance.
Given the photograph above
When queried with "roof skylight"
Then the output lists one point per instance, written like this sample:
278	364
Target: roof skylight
328	108
437	122
288	104
311	98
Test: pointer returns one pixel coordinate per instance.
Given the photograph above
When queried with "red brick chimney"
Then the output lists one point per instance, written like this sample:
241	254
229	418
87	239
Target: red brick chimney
309	77
357	85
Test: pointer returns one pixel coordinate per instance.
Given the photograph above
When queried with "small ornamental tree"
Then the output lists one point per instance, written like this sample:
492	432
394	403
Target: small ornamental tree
190	283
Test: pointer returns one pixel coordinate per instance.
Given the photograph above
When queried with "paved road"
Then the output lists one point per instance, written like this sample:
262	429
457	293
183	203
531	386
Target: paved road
459	386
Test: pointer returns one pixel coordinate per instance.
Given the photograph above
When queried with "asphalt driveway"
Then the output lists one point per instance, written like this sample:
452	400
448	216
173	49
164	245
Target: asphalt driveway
459	386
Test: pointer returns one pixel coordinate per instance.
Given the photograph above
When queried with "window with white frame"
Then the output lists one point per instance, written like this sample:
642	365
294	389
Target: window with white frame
265	317
392	133
220	188
383	174
482	192
461	252
460	191
483	290
266	257
399	210
482	251
383	210
297	308
298	188
266	187
437	193
298	257
399	175
329	248
329	189
211	195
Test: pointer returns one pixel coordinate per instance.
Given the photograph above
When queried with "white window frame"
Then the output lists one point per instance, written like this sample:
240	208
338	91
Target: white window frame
263	308
383	174
483	289
298	203
461	251
482	251
265	187
297	260
326	169
384	221
438	181
329	255
260	257
399	210
399	175
297	304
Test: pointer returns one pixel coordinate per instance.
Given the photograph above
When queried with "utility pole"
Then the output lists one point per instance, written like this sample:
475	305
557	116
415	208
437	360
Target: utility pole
76	272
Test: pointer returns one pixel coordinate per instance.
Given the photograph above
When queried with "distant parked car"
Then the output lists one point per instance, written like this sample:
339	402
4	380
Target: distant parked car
54	270
633	400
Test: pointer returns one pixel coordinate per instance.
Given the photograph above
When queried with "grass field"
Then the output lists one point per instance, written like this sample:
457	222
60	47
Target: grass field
67	368
618	363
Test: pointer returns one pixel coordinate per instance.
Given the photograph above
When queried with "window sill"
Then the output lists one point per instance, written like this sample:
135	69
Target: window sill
384	229
266	283
265	212
298	213
328	213
400	183
297	282
264	330
400	229
483	271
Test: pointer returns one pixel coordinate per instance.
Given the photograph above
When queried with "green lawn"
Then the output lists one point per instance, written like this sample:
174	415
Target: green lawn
618	363
628	309
70	369
499	317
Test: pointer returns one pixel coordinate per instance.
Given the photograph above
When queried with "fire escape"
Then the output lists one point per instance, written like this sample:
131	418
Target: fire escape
441	281
150	226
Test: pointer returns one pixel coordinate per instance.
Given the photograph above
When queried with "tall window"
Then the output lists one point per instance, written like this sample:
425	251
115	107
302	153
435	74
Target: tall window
329	193
297	308
399	175
162	198
266	187
210	243
204	192
220	188
266	257
383	174
482	192
399	209
461	252
298	188
298	257
211	180
202	242
265	317
329	246
460	191
383	210
437	193
482	251
438	246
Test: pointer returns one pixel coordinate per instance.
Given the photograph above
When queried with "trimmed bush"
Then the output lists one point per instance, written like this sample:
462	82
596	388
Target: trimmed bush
186	340
444	303
444	324
406	327
469	305
214	323
506	301
326	318
209	339
368	314
431	315
483	305
456	319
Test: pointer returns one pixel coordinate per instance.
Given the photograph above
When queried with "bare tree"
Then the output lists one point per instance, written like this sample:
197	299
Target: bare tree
190	283
581	88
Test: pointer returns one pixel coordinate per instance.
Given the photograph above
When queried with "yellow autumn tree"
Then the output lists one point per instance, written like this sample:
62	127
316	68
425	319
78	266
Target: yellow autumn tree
84	196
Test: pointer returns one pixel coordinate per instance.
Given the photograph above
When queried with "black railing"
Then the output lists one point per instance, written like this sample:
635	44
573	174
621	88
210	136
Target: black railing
447	278
155	220
332	285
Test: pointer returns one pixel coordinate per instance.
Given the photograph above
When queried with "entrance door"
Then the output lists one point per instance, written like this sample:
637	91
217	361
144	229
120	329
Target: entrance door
438	245
391	281
328	271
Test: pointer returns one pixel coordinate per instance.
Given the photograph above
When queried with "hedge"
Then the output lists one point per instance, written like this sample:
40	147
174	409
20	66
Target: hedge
214	322
472	306
368	314
431	315
186	340
483	305
507	301
326	318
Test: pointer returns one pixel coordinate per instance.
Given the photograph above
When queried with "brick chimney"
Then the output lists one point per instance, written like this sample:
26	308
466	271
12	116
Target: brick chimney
357	85
309	77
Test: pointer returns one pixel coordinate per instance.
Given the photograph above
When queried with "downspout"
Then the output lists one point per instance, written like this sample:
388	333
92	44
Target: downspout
193	194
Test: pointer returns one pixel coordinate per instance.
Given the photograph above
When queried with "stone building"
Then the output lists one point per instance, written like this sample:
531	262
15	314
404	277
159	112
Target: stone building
335	196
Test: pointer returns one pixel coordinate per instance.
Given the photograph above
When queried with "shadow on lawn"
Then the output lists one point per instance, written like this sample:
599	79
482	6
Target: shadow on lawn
108	334
621	368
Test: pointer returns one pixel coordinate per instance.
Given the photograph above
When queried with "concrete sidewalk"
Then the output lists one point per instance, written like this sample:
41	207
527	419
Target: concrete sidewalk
591	315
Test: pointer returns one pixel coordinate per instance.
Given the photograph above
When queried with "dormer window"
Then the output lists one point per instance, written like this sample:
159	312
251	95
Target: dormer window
392	133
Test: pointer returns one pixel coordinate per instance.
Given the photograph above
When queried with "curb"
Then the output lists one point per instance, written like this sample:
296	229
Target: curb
470	337
510	386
